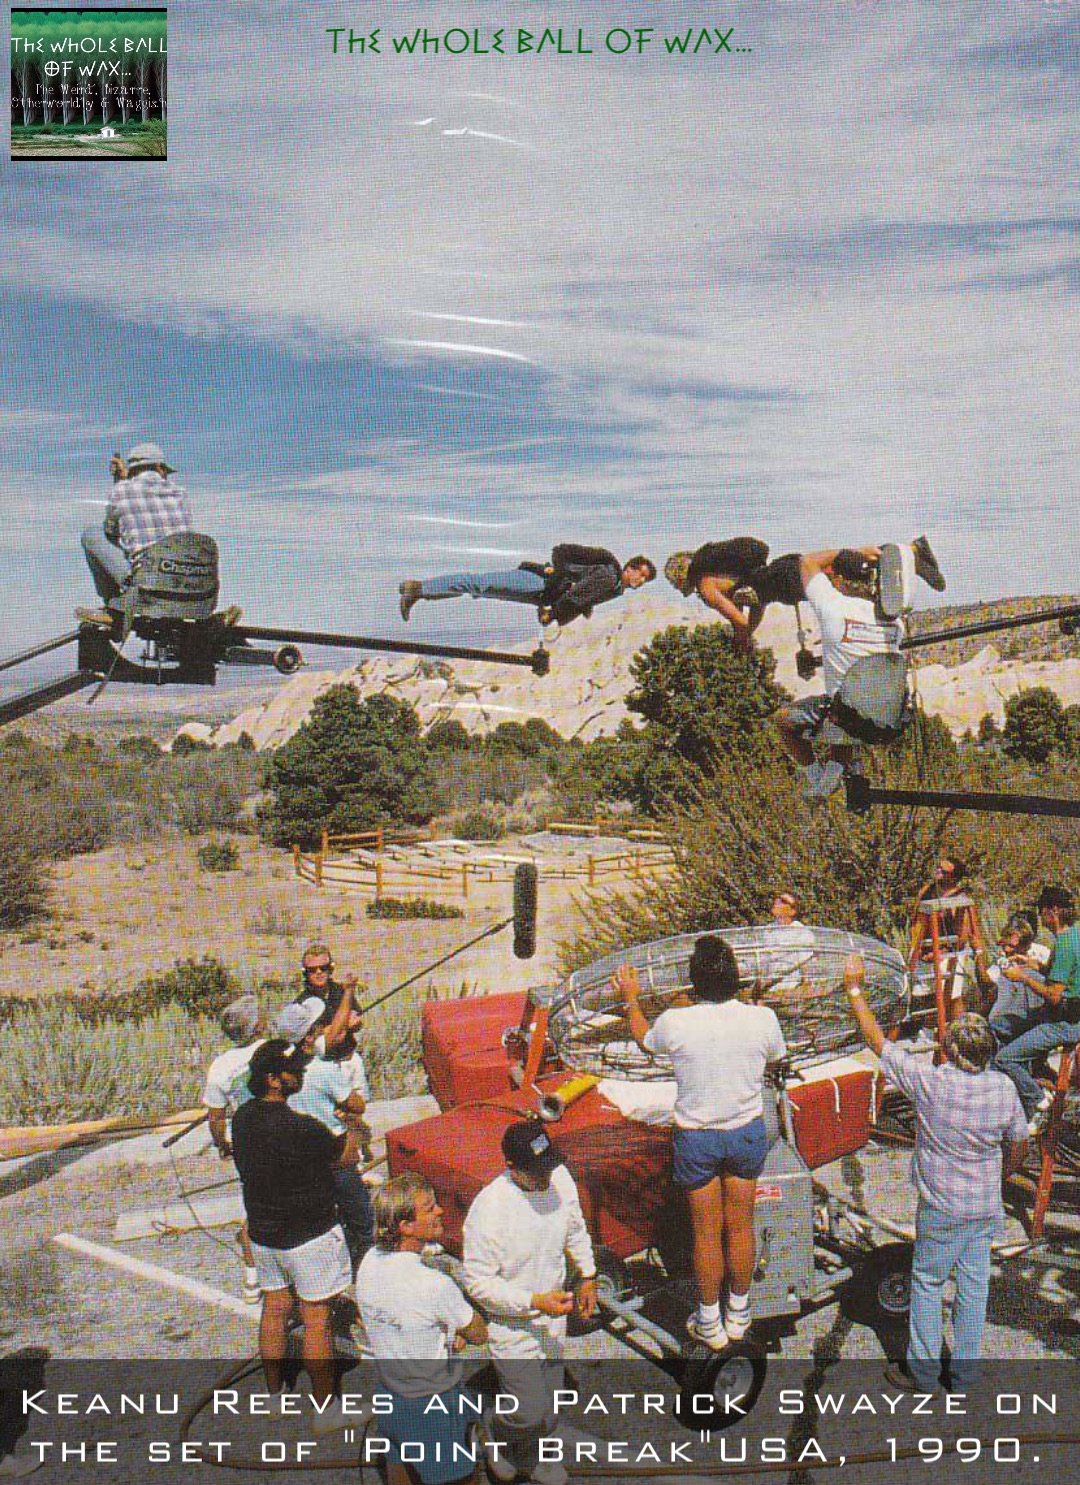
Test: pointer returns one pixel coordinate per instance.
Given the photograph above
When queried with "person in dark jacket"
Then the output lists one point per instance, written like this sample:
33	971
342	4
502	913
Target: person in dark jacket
736	579
566	588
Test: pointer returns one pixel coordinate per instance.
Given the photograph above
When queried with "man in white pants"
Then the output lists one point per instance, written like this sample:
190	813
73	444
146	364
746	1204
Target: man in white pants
518	1235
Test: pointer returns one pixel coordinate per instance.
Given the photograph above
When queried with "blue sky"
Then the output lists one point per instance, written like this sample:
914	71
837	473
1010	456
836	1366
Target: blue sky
393	316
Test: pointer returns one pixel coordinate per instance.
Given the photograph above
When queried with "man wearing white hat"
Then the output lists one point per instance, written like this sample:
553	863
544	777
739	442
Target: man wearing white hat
146	505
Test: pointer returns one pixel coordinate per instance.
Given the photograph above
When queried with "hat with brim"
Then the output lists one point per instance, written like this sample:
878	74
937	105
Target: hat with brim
527	1148
147	453
296	1020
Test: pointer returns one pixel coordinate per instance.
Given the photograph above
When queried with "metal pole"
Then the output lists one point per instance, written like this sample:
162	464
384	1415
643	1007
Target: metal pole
538	661
43	649
991	626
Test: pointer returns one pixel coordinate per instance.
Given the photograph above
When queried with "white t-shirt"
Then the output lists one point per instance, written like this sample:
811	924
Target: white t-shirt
718	1053
788	954
226	1078
411	1314
850	628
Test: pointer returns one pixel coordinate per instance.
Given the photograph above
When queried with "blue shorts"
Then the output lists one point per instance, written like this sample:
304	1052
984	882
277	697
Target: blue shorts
700	1155
430	1434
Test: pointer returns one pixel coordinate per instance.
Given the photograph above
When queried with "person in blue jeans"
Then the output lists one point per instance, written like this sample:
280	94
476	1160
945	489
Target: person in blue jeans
1057	1024
567	587
970	1131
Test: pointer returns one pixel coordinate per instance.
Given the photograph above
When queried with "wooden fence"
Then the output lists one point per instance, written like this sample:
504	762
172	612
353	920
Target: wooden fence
374	862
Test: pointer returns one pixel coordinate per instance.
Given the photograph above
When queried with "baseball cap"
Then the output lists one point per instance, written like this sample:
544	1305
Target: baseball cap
295	1021
526	1147
275	1057
240	1018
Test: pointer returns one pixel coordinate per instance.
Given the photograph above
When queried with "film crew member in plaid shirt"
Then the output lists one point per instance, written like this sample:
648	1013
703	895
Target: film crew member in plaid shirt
970	1131
146	505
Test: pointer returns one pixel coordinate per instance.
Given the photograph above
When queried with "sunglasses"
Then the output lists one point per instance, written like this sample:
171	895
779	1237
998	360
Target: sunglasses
317	969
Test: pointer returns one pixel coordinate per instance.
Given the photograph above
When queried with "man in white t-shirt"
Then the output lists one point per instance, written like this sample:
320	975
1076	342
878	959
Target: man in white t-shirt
719	1049
226	1089
416	1320
519	1233
852	626
788	946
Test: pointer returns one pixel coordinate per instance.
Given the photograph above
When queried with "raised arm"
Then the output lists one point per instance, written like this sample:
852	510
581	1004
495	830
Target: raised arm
854	982
625	981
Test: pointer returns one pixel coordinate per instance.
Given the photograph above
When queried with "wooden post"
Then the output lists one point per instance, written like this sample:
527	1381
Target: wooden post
592	872
318	869
378	879
296	860
464	880
379	840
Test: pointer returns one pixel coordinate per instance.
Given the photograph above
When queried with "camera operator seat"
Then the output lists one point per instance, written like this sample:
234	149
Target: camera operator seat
172	582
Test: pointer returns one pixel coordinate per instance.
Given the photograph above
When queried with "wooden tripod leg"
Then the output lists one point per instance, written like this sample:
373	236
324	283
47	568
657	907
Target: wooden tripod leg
1049	1142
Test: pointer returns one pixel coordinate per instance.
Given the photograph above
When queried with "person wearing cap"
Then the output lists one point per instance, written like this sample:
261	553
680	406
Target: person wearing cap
329	1095
225	1090
720	1050
567	587
417	1320
146	505
970	1132
519	1234
854	623
286	1162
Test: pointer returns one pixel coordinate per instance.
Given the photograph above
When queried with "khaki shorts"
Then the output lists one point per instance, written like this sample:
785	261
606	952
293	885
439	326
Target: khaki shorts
315	1271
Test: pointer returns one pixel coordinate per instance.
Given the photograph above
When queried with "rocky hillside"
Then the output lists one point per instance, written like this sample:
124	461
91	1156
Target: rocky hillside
584	693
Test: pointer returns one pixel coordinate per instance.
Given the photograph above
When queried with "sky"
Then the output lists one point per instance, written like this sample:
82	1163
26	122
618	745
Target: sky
391	316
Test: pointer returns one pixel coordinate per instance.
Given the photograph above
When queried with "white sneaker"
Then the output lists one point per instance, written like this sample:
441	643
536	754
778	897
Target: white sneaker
822	779
737	1322
709	1333
551	1473
499	1465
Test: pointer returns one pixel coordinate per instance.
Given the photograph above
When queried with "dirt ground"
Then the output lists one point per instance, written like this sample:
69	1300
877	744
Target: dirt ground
134	910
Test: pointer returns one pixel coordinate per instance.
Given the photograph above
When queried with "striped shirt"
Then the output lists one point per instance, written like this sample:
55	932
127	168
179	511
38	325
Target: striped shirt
144	509
961	1123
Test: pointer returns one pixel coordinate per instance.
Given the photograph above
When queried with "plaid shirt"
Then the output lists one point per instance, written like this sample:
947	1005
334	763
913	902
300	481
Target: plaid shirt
962	1120
143	510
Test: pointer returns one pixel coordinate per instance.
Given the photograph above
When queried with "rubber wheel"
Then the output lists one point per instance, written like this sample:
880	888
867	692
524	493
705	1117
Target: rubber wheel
612	1281
879	1292
720	1391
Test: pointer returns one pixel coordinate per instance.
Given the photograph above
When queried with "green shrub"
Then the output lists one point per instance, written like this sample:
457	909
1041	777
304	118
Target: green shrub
22	889
413	907
218	855
484	822
202	986
448	736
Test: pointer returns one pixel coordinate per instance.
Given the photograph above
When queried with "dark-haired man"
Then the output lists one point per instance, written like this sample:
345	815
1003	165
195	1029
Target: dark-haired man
568	587
1059	1023
720	1049
969	1131
286	1162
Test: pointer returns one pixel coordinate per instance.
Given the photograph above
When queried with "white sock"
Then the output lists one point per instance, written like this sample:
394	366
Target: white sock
709	1314
251	1275
738	1301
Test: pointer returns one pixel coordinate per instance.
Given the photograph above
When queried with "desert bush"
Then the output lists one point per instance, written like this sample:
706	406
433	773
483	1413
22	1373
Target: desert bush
218	855
22	888
353	765
448	736
56	1068
482	822
412	907
1036	725
203	986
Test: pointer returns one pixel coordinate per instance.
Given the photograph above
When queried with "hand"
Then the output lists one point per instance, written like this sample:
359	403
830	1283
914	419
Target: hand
625	981
348	982
458	1344
854	973
225	1150
546	615
1014	972
585	1299
117	468
554	1302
